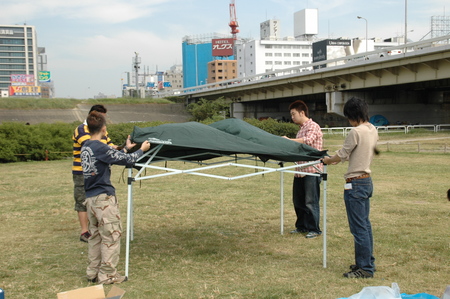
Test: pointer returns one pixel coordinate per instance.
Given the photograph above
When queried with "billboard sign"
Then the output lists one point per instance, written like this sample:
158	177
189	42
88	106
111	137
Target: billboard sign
22	79
222	47
329	49
25	91
44	76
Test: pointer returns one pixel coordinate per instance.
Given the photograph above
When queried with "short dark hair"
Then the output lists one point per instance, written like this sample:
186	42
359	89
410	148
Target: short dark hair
357	110
95	121
299	105
98	108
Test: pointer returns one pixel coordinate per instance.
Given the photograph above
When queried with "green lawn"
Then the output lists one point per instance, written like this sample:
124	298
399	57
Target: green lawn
198	237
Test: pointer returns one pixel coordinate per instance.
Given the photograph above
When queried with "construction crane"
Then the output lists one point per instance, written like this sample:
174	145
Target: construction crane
233	20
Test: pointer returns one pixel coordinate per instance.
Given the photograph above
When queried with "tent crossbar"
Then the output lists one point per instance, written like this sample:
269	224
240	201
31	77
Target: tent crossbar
302	173
153	152
196	171
184	158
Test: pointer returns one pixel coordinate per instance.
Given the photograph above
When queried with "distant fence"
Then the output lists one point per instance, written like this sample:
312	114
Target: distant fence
390	129
414	147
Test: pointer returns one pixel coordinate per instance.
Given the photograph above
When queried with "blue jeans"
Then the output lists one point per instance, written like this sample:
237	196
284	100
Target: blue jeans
357	203
306	196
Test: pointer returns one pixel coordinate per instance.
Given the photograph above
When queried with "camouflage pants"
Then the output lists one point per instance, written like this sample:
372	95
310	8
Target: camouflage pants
106	229
78	192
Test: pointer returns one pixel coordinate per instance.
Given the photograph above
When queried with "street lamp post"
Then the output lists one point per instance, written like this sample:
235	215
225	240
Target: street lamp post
406	25
367	48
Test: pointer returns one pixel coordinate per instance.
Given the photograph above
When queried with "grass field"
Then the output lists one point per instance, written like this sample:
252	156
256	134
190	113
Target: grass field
63	103
198	237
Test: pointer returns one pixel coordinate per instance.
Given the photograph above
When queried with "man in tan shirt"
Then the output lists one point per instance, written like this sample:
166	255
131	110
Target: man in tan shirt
358	149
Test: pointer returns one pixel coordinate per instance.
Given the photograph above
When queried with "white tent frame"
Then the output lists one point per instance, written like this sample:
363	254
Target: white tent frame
206	166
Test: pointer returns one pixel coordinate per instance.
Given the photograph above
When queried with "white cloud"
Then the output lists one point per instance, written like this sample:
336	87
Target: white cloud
95	11
107	52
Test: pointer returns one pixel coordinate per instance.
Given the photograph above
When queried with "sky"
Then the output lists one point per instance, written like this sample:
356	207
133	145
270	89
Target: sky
90	43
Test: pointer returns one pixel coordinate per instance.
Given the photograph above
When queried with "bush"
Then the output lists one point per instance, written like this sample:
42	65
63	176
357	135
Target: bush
274	127
119	132
20	142
206	109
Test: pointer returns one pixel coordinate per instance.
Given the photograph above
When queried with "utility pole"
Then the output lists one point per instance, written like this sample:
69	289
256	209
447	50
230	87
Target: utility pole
136	63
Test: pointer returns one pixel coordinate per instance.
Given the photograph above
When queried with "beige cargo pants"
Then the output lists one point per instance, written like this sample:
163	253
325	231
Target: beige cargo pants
105	228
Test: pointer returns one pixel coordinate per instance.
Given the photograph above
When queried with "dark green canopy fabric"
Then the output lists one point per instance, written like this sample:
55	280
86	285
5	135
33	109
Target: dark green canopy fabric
197	142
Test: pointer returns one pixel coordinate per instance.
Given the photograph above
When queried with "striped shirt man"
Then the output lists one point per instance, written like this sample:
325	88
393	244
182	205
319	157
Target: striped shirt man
80	135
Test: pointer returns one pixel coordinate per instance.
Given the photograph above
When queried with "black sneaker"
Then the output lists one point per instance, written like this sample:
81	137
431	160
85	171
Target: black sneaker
298	231
354	268
312	235
84	237
358	273
93	280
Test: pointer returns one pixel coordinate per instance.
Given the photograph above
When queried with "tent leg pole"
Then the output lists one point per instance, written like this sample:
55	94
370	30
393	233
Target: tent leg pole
325	216
281	202
129	215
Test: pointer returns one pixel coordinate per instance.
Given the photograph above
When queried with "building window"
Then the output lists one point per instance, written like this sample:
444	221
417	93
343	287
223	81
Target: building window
287	54
277	54
287	63
269	54
5	41
278	63
269	62
305	54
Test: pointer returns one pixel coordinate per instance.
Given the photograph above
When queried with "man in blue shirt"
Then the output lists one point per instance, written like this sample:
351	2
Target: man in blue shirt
102	205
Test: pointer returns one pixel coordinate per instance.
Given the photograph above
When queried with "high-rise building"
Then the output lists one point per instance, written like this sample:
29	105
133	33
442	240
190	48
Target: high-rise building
197	53
19	60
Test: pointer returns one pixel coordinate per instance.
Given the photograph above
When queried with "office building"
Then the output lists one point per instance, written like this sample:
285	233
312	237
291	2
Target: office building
23	65
220	70
18	60
197	53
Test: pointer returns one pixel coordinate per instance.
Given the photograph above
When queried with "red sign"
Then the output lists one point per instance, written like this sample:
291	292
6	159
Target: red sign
222	47
24	90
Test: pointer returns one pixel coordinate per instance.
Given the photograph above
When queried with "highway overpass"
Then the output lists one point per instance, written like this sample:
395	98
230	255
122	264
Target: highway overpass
412	87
